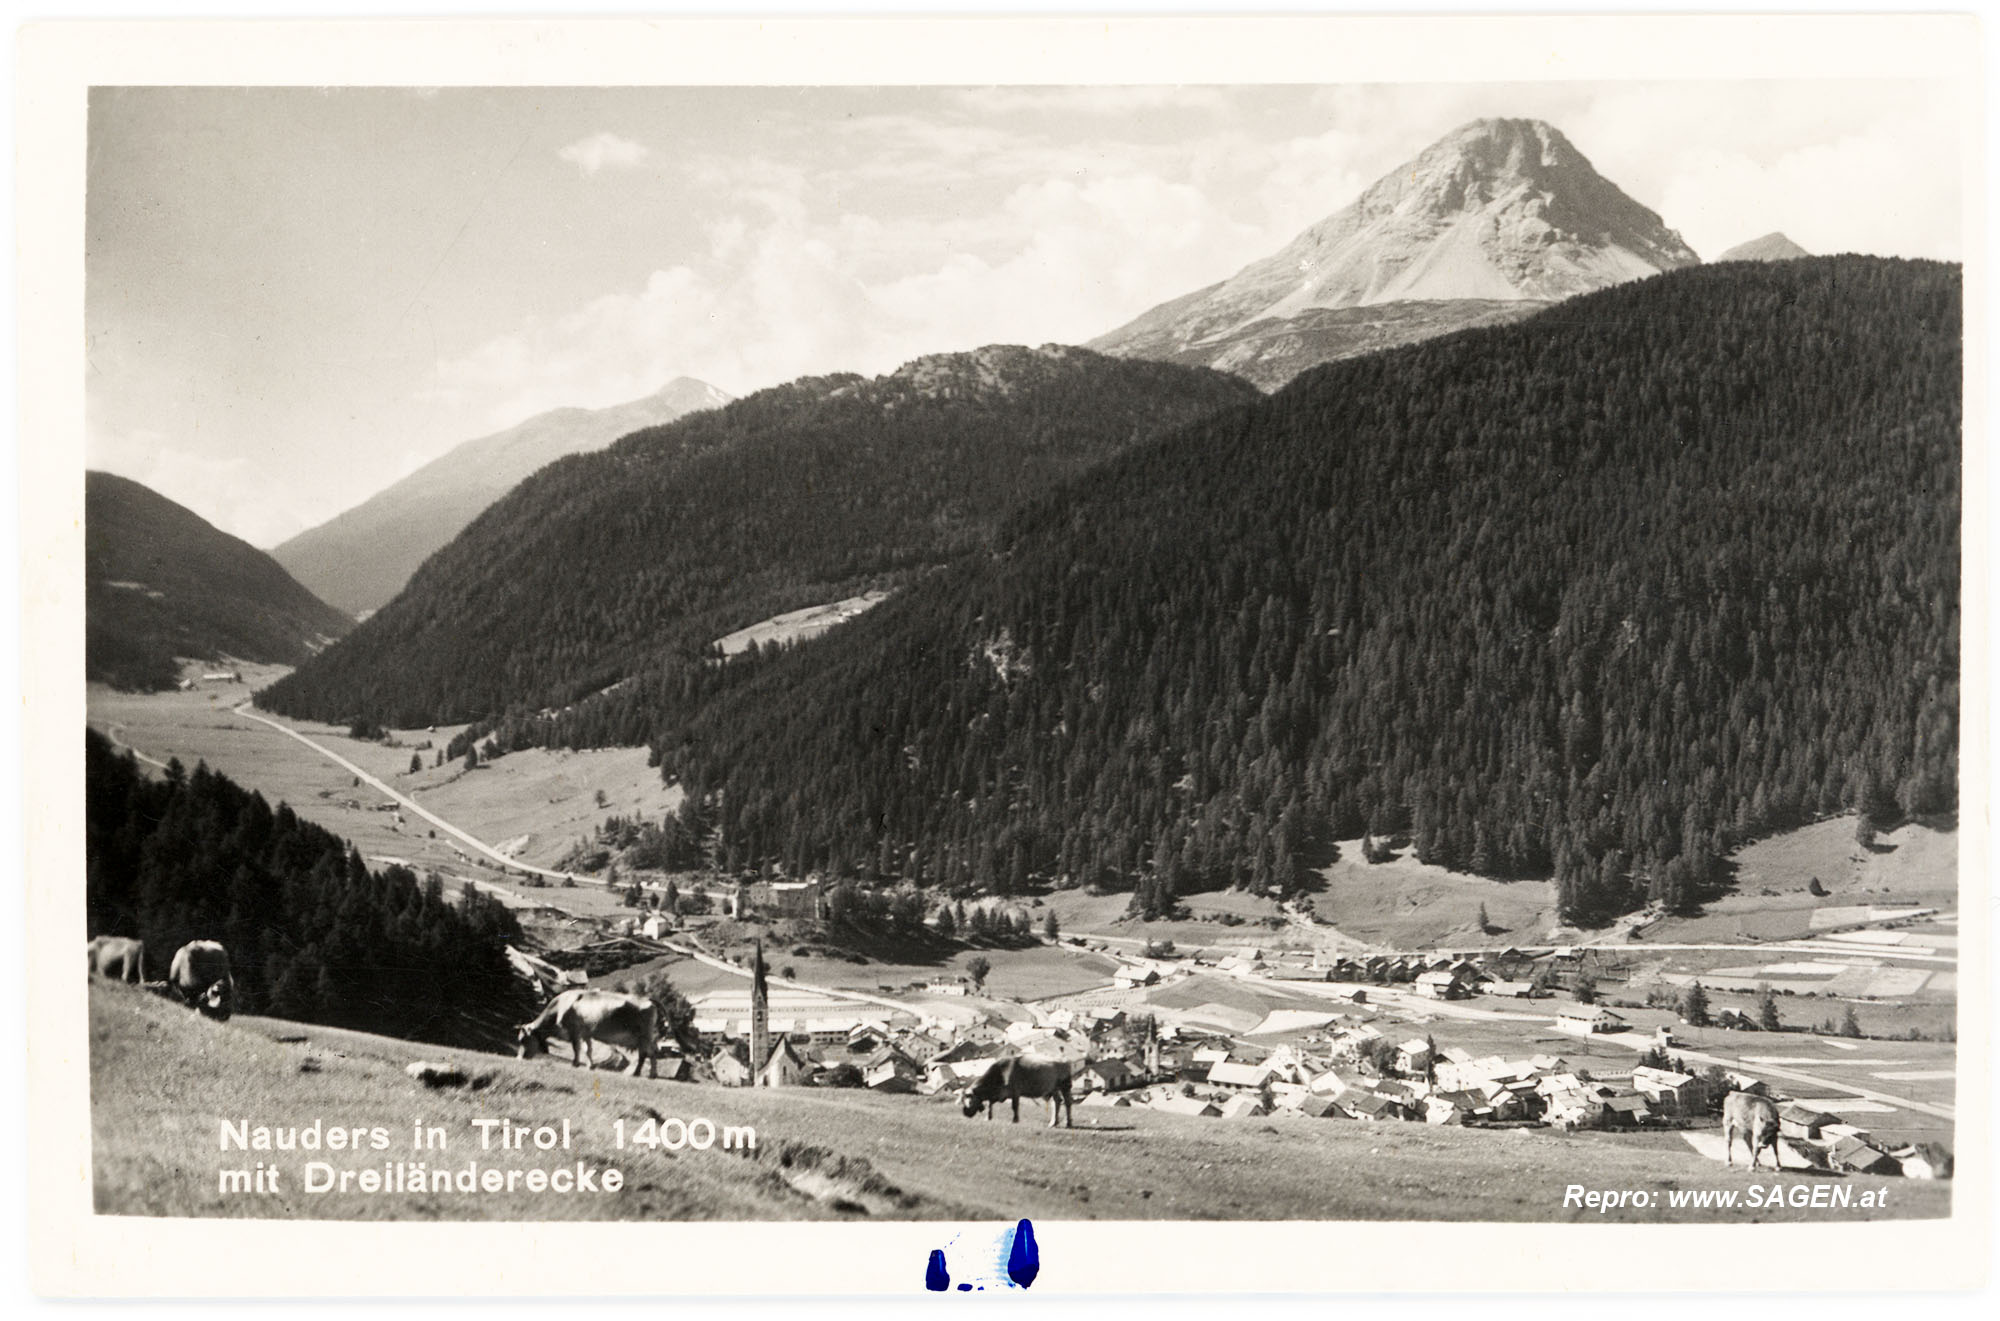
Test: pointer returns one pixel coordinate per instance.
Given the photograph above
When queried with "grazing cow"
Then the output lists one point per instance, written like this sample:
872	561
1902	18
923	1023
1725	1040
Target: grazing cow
1018	1076
120	958
586	1016
1756	1118
200	977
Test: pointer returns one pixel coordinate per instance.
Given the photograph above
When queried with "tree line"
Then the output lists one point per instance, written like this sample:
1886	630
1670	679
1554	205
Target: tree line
312	933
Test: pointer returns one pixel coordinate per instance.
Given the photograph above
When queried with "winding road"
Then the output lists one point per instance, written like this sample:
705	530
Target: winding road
408	804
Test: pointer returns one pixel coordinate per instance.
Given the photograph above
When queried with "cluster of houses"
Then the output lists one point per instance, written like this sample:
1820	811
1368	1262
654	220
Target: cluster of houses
1512	973
1354	1072
1813	1137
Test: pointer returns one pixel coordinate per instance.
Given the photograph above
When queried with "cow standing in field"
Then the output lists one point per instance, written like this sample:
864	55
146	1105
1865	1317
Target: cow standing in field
1019	1076
1756	1118
119	958
587	1016
200	977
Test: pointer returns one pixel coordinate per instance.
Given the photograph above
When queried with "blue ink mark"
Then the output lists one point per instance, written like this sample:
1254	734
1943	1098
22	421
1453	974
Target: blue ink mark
1024	1260
965	1288
936	1278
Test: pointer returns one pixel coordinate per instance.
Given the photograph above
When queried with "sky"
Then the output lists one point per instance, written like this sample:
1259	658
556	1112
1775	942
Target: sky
294	297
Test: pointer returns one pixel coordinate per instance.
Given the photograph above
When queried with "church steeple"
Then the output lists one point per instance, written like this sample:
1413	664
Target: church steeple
760	1020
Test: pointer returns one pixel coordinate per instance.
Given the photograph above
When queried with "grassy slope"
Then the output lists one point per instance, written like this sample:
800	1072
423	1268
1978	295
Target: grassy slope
162	1079
1913	865
548	796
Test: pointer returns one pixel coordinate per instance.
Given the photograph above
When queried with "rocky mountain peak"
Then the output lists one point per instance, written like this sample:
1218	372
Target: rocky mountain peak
1772	247
1496	211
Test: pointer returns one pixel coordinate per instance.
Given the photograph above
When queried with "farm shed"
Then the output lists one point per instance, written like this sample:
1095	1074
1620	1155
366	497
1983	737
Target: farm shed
1802	1122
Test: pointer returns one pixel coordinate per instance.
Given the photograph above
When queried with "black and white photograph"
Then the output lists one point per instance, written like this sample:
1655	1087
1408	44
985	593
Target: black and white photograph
986	653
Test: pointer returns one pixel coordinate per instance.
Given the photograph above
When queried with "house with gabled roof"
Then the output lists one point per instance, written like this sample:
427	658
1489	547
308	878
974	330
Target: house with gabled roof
1440	984
1316	1105
1668	1091
1108	1075
1585	1020
1243	1107
1228	1074
1802	1122
1851	1153
1375	1107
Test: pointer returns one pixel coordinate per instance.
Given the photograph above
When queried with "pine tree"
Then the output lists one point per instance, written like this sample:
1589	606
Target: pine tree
1694	1006
1767	1010
1850	1025
977	970
1051	929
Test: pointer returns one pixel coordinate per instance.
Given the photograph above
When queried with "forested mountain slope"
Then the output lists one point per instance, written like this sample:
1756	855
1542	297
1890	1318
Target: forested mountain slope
161	582
608	565
1592	596
312	934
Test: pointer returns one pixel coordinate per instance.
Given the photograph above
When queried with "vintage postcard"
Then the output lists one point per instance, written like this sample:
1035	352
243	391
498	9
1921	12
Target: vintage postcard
981	643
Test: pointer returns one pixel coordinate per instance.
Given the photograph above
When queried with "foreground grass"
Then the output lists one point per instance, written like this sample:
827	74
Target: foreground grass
163	1080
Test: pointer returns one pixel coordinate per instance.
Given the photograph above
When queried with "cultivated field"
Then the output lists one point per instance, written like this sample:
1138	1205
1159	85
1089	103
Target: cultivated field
164	1079
539	802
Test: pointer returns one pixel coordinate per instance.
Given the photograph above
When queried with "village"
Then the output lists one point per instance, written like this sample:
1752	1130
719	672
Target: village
1244	1033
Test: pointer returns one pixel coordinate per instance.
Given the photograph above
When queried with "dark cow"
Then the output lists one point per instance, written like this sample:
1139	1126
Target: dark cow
1013	1078
586	1016
1756	1118
200	977
120	958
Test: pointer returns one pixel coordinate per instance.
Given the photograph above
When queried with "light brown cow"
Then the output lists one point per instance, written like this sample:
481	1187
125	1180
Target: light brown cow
586	1016
1756	1118
200	977
120	958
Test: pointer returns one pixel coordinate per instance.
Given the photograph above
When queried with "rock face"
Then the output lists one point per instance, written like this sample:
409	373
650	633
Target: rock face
1493	220
1772	247
360	559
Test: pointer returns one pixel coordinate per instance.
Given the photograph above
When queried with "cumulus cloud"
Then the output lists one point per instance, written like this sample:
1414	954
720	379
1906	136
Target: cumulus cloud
604	151
780	293
1022	237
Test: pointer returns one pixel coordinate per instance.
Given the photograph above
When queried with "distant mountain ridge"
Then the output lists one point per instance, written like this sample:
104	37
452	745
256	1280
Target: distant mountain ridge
161	582
1772	247
606	566
360	559
1499	212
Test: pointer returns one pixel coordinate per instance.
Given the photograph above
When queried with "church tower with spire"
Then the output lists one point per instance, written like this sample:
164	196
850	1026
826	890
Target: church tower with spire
760	1020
